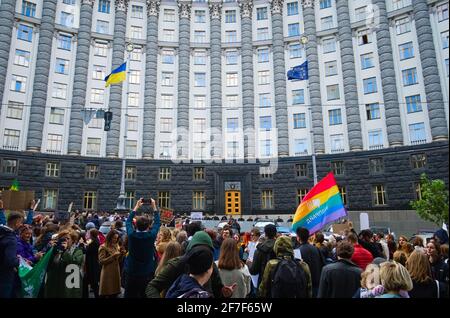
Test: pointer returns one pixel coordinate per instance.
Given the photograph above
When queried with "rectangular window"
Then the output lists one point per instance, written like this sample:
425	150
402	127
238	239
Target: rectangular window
131	149
59	90
130	173
365	37
97	95
9	166
93	146
418	161
199	36
231	57
22	58
265	173
167	79
168	56
338	168
325	4
418	190
102	27
406	51
292	8
230	16
137	12
92	171
230	36
379	195
199	125
299	120
52	169
199	150
136	32
166	124
261	13
98	72
413	104
370	85
166	101
398	4
376	165
135	76
376	139
300	147
329	45
199	102
18	83
373	111
331	68
200	57
409	76
200	16
367	61
164	199
295	51
327	23
293	29
132	124
28	9
104	6
262	34
403	25
168	35
298	96
301	193
70	2
96	123
199	173
101	49
335	117
198	200
130	198
263	55
417	133
164	173
444	37
265	100
15	110
267	199
232	149
343	191
169	15
66	19
263	77
266	148
265	123
361	13
65	42
333	92
133	99
50	199
165	148
11	139
231	79
301	169
62	66
90	201
56	116
337	143
232	124
25	33
200	79
442	12
232	101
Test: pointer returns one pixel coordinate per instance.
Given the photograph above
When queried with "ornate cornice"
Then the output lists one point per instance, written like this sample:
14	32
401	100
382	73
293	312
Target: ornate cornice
246	8
153	7
121	5
276	6
184	9
89	2
308	3
215	10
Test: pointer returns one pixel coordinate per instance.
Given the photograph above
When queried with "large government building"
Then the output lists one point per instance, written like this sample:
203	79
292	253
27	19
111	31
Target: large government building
207	118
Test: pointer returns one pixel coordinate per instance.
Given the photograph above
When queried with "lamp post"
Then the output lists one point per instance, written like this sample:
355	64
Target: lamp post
304	40
121	200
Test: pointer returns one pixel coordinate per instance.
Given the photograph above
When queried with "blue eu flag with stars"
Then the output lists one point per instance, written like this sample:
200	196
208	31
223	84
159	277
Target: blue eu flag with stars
299	72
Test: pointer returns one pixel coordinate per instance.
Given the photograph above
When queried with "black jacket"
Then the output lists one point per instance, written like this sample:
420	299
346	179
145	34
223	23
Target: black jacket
424	290
339	280
8	261
264	252
92	265
314	258
371	247
439	271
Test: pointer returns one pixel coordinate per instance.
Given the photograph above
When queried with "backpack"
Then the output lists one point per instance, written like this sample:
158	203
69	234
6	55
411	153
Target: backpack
288	280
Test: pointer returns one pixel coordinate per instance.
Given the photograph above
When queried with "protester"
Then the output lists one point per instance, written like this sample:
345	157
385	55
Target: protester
319	242
181	238
240	245
233	270
370	283
109	257
366	241
342	278
163	238
92	266
173	249
444	252
404	245
439	269
285	276
390	241
379	238
200	268
418	244
424	286
44	241
361	256
395	279
441	236
24	247
66	252
312	256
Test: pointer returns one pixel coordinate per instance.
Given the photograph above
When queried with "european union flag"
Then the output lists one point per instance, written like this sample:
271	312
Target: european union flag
299	72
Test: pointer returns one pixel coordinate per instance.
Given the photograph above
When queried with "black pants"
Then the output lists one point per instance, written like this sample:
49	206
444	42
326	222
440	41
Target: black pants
135	285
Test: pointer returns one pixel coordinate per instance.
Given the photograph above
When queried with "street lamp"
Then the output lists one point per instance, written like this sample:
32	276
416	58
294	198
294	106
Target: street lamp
121	200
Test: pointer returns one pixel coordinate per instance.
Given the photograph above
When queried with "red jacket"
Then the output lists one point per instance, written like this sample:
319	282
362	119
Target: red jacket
361	256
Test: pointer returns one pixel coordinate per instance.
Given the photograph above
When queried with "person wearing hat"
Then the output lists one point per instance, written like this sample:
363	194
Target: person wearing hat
178	266
199	261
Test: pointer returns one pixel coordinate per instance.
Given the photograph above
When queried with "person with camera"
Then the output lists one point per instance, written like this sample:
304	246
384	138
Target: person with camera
64	269
110	256
141	261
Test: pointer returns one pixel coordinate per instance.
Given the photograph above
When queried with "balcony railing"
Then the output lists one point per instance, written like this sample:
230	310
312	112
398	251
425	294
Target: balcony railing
418	142
337	150
53	151
374	147
14	148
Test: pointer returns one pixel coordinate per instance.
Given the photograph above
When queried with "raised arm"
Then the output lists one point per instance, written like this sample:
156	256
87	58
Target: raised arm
129	222
30	214
156	222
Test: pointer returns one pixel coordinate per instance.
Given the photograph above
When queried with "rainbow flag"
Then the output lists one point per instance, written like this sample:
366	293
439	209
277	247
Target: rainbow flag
117	76
322	205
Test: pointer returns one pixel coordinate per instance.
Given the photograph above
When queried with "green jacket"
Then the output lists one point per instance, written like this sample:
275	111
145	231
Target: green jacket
283	249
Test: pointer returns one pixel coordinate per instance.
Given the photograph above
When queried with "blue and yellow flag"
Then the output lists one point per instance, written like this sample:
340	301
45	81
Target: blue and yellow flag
117	76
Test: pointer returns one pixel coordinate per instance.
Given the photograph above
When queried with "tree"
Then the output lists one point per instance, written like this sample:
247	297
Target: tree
433	203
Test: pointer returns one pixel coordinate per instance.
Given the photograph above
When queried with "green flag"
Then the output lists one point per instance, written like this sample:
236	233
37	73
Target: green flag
14	185
32	277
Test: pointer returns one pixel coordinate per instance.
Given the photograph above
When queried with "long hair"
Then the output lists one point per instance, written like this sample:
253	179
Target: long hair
370	278
395	277
173	249
229	255
48	228
419	267
166	235
109	238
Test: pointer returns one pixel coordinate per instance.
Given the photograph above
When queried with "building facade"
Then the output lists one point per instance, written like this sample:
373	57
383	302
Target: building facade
207	107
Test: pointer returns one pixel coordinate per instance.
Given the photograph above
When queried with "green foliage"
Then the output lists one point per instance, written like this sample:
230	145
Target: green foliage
433	205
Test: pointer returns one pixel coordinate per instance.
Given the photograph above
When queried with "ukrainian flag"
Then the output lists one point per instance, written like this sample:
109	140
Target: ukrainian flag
117	76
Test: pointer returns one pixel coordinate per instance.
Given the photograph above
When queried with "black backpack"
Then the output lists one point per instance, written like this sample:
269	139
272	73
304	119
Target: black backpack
288	280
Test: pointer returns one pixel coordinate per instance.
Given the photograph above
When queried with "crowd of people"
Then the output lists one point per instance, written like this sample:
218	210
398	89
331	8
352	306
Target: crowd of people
140	257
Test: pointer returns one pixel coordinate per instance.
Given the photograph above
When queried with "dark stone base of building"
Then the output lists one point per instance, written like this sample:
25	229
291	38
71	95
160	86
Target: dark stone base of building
398	178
